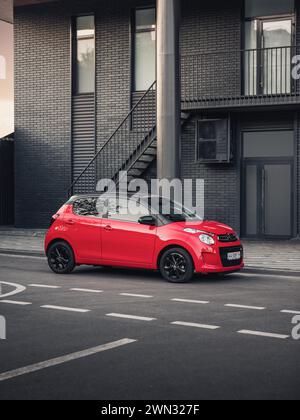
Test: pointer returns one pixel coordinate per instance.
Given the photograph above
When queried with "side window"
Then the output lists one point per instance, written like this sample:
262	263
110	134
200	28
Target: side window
126	210
85	207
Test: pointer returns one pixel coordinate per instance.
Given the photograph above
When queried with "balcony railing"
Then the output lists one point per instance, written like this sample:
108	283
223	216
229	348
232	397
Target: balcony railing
256	76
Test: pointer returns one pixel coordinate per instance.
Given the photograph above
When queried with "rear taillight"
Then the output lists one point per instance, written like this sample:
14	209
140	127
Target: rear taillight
53	219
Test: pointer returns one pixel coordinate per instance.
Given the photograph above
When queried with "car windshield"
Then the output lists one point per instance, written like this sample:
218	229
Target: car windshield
172	211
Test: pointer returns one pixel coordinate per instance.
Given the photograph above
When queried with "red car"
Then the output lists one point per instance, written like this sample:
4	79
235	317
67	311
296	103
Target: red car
89	230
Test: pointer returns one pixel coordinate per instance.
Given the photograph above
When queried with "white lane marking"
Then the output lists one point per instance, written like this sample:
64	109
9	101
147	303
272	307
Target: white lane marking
264	334
134	295
195	325
257	308
18	289
23	256
201	302
44	286
63	308
286	311
13	302
86	290
64	359
138	318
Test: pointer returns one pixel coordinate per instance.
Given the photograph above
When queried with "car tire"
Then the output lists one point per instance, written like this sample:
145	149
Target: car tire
176	266
61	258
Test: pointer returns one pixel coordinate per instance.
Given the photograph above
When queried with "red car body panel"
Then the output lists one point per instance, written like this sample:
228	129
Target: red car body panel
98	241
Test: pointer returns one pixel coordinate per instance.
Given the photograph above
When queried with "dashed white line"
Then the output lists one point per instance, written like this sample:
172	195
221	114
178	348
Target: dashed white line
64	359
86	290
135	295
14	302
285	311
64	308
257	308
201	302
138	318
264	334
44	286
195	325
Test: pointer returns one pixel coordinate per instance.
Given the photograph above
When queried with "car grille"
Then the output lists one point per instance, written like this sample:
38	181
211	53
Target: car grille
229	237
223	253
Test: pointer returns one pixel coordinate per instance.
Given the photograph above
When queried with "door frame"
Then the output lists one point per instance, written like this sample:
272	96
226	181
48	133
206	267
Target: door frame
268	160
259	47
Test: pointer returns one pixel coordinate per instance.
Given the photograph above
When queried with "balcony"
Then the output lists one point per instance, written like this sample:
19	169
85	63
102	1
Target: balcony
241	78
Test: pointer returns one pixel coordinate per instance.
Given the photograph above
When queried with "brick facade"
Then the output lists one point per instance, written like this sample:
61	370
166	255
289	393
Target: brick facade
43	98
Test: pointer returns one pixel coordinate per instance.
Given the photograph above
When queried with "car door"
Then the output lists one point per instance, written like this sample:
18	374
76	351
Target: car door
125	241
83	230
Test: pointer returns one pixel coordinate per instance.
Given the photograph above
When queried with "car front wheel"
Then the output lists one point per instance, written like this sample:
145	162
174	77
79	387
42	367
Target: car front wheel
61	258
176	266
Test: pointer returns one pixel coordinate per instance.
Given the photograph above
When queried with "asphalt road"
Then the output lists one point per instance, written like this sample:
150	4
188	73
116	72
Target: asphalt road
79	338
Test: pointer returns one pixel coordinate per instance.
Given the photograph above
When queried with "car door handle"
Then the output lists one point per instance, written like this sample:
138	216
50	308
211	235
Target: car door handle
70	222
108	227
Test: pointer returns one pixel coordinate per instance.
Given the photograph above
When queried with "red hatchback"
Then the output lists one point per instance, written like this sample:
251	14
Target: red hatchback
89	230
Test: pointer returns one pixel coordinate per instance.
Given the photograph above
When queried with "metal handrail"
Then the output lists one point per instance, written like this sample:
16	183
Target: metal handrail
128	116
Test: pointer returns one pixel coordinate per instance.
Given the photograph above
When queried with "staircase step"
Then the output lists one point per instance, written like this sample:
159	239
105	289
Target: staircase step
135	172
140	165
146	158
151	151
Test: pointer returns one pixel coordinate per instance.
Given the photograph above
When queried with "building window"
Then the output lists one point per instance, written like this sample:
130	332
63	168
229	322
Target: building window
144	48
268	47
84	55
255	8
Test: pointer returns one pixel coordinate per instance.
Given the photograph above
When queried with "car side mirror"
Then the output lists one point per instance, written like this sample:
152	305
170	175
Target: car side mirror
147	220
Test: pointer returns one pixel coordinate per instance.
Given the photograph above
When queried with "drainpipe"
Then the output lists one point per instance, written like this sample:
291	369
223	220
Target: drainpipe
168	89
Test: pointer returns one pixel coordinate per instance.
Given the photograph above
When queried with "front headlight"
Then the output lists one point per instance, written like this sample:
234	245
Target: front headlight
206	239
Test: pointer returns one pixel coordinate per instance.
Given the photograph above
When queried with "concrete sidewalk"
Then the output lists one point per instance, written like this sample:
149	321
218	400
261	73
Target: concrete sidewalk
276	256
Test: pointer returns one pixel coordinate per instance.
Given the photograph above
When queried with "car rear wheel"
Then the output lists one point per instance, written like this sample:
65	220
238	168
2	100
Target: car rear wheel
61	258
176	266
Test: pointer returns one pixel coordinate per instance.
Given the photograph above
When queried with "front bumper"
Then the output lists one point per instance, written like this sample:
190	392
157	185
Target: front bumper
215	259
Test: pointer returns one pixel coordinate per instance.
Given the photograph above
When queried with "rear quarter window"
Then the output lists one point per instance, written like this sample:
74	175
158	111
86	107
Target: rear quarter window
85	207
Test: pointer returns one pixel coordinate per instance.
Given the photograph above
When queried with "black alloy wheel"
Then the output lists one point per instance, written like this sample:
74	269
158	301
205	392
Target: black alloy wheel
176	266
61	258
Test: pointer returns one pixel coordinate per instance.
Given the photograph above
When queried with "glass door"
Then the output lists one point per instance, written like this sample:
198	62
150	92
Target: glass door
267	56
276	56
268	184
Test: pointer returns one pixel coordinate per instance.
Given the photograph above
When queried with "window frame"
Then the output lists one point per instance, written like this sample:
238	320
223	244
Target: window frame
74	54
134	31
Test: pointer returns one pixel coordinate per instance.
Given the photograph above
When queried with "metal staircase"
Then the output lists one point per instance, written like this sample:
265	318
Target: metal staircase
131	148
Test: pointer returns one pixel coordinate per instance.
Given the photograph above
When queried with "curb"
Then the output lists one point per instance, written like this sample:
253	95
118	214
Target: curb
270	271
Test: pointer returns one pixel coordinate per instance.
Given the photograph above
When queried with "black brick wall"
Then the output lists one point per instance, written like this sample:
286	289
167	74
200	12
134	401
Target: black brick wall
43	110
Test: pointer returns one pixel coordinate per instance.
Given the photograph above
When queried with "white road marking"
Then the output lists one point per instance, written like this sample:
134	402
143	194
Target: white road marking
201	302
63	308
134	295
23	256
285	311
195	325
138	318
18	289
44	286
13	302
264	334
64	359
87	290
257	308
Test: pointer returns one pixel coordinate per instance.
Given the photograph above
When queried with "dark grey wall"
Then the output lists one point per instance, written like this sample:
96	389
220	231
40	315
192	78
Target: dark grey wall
43	110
